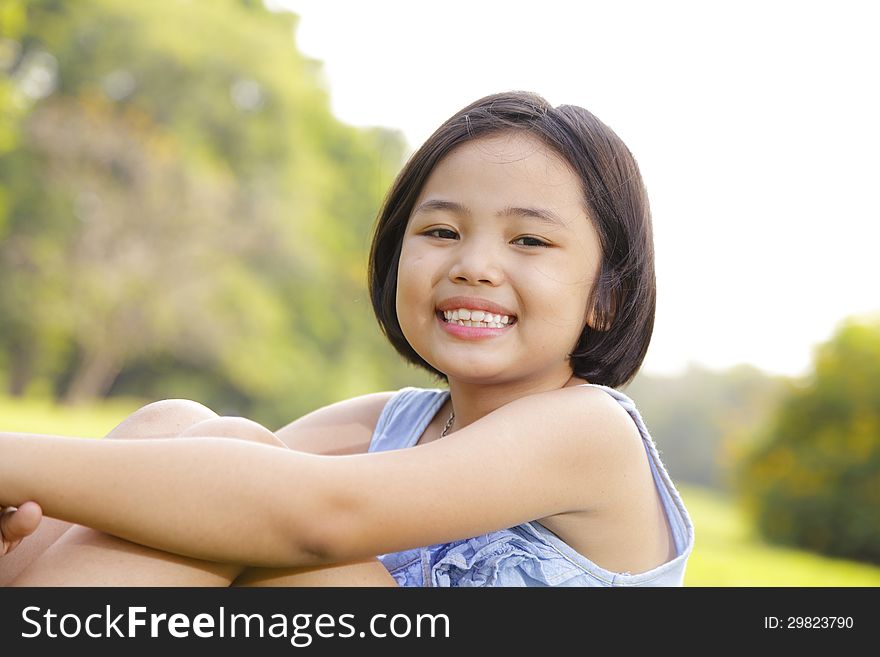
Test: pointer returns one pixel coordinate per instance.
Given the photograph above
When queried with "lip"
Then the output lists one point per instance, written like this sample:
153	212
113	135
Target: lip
474	303
470	332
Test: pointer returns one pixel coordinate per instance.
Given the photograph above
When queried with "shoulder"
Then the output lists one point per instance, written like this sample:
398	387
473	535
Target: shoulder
344	427
590	439
579	410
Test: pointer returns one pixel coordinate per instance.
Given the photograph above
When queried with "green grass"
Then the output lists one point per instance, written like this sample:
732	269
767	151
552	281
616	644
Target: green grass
726	551
32	415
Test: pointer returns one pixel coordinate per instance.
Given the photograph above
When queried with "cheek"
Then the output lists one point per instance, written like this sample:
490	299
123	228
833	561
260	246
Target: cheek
560	297
405	272
411	290
413	295
416	271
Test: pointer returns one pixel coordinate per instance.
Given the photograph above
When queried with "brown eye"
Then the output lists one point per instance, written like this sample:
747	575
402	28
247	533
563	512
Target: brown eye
530	241
442	233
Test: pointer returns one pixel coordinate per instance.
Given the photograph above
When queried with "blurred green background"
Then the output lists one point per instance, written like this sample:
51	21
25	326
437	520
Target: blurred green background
181	215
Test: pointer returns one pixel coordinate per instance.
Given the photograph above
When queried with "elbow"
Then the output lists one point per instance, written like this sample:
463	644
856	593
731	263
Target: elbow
294	542
303	538
321	526
313	543
329	536
318	549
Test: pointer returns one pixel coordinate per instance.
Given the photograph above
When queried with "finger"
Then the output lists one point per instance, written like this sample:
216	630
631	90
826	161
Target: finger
15	525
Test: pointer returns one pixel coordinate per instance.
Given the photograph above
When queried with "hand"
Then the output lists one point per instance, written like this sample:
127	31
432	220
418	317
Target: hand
15	524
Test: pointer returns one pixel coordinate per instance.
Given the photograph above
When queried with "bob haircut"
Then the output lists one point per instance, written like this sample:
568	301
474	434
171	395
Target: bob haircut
623	298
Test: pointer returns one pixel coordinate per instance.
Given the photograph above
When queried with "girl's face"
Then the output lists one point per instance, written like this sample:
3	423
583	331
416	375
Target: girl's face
500	226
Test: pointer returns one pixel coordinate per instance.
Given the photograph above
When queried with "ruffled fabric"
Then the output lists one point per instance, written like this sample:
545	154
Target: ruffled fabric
505	558
406	567
510	557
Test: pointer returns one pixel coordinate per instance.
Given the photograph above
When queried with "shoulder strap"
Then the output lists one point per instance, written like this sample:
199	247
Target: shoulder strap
680	521
405	417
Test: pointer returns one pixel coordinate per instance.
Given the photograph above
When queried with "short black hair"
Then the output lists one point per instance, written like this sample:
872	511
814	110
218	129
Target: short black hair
623	300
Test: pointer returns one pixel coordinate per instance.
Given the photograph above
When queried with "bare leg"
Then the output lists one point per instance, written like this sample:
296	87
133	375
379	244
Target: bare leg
369	572
49	531
85	557
162	419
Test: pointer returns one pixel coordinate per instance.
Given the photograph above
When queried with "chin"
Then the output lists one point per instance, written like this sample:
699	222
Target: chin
465	369
477	376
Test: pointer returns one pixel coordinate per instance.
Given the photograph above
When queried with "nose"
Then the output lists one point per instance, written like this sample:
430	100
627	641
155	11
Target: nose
475	263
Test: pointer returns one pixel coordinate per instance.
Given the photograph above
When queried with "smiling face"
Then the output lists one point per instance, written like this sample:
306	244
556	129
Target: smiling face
499	226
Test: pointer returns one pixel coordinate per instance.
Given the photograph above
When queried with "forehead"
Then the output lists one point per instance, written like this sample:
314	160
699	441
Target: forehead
507	169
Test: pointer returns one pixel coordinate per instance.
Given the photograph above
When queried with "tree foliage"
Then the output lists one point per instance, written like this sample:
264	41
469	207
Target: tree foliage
701	418
181	214
814	480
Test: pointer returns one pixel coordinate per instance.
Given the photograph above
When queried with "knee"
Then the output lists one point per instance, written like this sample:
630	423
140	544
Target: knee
162	419
233	427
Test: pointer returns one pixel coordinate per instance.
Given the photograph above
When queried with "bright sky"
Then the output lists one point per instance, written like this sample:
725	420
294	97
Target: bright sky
755	125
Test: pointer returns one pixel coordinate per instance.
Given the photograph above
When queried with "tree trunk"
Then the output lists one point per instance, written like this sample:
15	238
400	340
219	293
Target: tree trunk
21	368
94	376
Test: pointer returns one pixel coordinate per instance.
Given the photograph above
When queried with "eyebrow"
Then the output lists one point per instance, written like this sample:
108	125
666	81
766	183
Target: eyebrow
541	214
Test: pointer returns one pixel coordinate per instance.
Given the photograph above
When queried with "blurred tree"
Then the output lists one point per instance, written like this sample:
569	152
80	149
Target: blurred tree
701	417
13	106
814	481
145	231
183	213
13	97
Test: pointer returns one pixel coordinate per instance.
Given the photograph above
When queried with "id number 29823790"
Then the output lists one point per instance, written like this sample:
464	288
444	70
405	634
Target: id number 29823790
808	622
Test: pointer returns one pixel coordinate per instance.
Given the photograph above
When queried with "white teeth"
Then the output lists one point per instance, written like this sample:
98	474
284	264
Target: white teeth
476	318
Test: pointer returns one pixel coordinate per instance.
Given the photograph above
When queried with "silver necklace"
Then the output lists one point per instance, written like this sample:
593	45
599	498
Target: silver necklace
448	424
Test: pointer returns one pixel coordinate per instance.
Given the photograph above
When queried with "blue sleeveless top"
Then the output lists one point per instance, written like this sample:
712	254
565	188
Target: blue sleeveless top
528	554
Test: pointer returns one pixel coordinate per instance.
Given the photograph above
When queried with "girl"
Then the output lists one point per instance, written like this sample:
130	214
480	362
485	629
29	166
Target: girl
513	258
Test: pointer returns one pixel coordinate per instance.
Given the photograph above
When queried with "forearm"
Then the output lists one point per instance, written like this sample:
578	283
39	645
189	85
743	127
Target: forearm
211	498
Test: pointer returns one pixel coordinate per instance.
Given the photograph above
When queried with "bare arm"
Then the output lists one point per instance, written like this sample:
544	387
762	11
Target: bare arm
526	460
168	494
345	427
